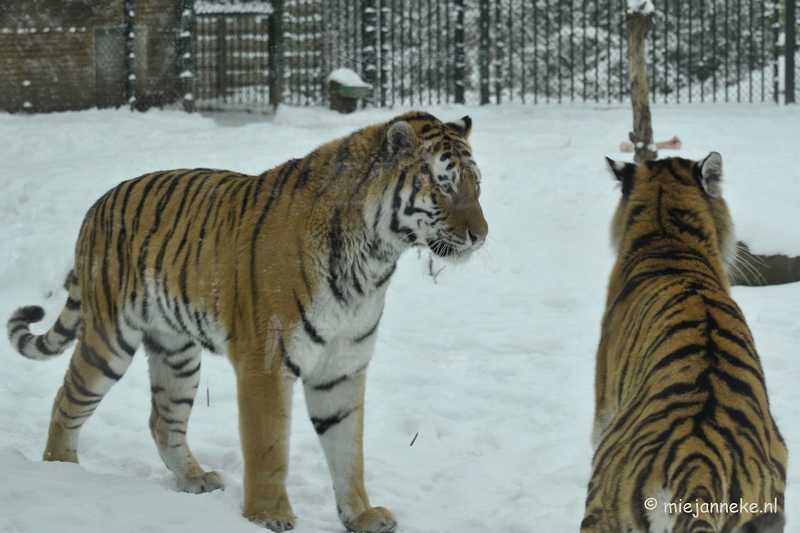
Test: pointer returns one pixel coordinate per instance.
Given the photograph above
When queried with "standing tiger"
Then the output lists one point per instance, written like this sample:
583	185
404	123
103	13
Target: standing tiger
286	272
681	413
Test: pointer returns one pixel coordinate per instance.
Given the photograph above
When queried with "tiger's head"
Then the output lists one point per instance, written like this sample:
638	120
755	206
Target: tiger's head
688	197
435	197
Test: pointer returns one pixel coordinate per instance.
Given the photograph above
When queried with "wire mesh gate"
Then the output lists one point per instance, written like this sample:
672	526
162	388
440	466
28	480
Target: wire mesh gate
232	55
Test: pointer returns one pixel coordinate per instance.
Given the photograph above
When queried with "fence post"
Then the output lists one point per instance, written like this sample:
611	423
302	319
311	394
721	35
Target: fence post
791	35
186	52
275	51
130	76
499	52
460	56
369	38
385	47
222	59
483	52
776	25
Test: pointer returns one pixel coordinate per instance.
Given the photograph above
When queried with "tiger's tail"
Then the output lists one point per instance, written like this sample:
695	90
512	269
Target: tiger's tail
58	338
766	523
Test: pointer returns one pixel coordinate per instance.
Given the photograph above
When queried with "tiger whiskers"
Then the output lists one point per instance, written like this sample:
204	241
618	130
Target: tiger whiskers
486	252
442	247
432	271
742	265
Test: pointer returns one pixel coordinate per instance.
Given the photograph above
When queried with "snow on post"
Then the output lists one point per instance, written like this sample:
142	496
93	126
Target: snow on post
348	78
643	7
346	87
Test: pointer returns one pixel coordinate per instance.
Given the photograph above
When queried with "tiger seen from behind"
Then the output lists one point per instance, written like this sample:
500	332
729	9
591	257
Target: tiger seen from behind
286	272
681	408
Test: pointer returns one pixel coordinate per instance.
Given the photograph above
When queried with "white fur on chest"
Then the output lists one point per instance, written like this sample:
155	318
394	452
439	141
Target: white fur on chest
347	332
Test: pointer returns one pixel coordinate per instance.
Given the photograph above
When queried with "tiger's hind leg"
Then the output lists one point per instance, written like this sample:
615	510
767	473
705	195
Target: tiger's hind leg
100	359
174	362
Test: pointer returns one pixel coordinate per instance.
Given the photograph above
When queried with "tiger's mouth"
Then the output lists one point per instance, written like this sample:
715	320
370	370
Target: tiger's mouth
442	247
447	249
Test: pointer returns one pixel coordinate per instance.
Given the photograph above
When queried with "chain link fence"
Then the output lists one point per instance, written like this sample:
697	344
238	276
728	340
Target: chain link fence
92	54
232	55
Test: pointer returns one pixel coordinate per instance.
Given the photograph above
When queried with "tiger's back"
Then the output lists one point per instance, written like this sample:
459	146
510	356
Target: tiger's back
183	241
682	414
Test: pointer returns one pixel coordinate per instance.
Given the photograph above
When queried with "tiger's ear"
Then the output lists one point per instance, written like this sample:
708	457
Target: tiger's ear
711	174
623	172
463	126
401	139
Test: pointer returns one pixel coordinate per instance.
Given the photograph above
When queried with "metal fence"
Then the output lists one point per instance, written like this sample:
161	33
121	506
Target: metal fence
724	50
492	51
254	54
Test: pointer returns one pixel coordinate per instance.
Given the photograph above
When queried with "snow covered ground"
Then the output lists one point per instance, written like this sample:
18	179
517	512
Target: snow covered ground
491	363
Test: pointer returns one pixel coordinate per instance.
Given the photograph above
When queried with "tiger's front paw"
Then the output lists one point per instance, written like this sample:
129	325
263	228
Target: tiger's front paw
64	456
276	520
206	482
373	520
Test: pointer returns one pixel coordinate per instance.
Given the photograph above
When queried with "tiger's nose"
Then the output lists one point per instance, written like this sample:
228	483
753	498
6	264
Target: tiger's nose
475	238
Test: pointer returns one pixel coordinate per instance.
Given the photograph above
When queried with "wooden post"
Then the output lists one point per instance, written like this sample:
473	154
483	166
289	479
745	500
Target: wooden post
637	25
